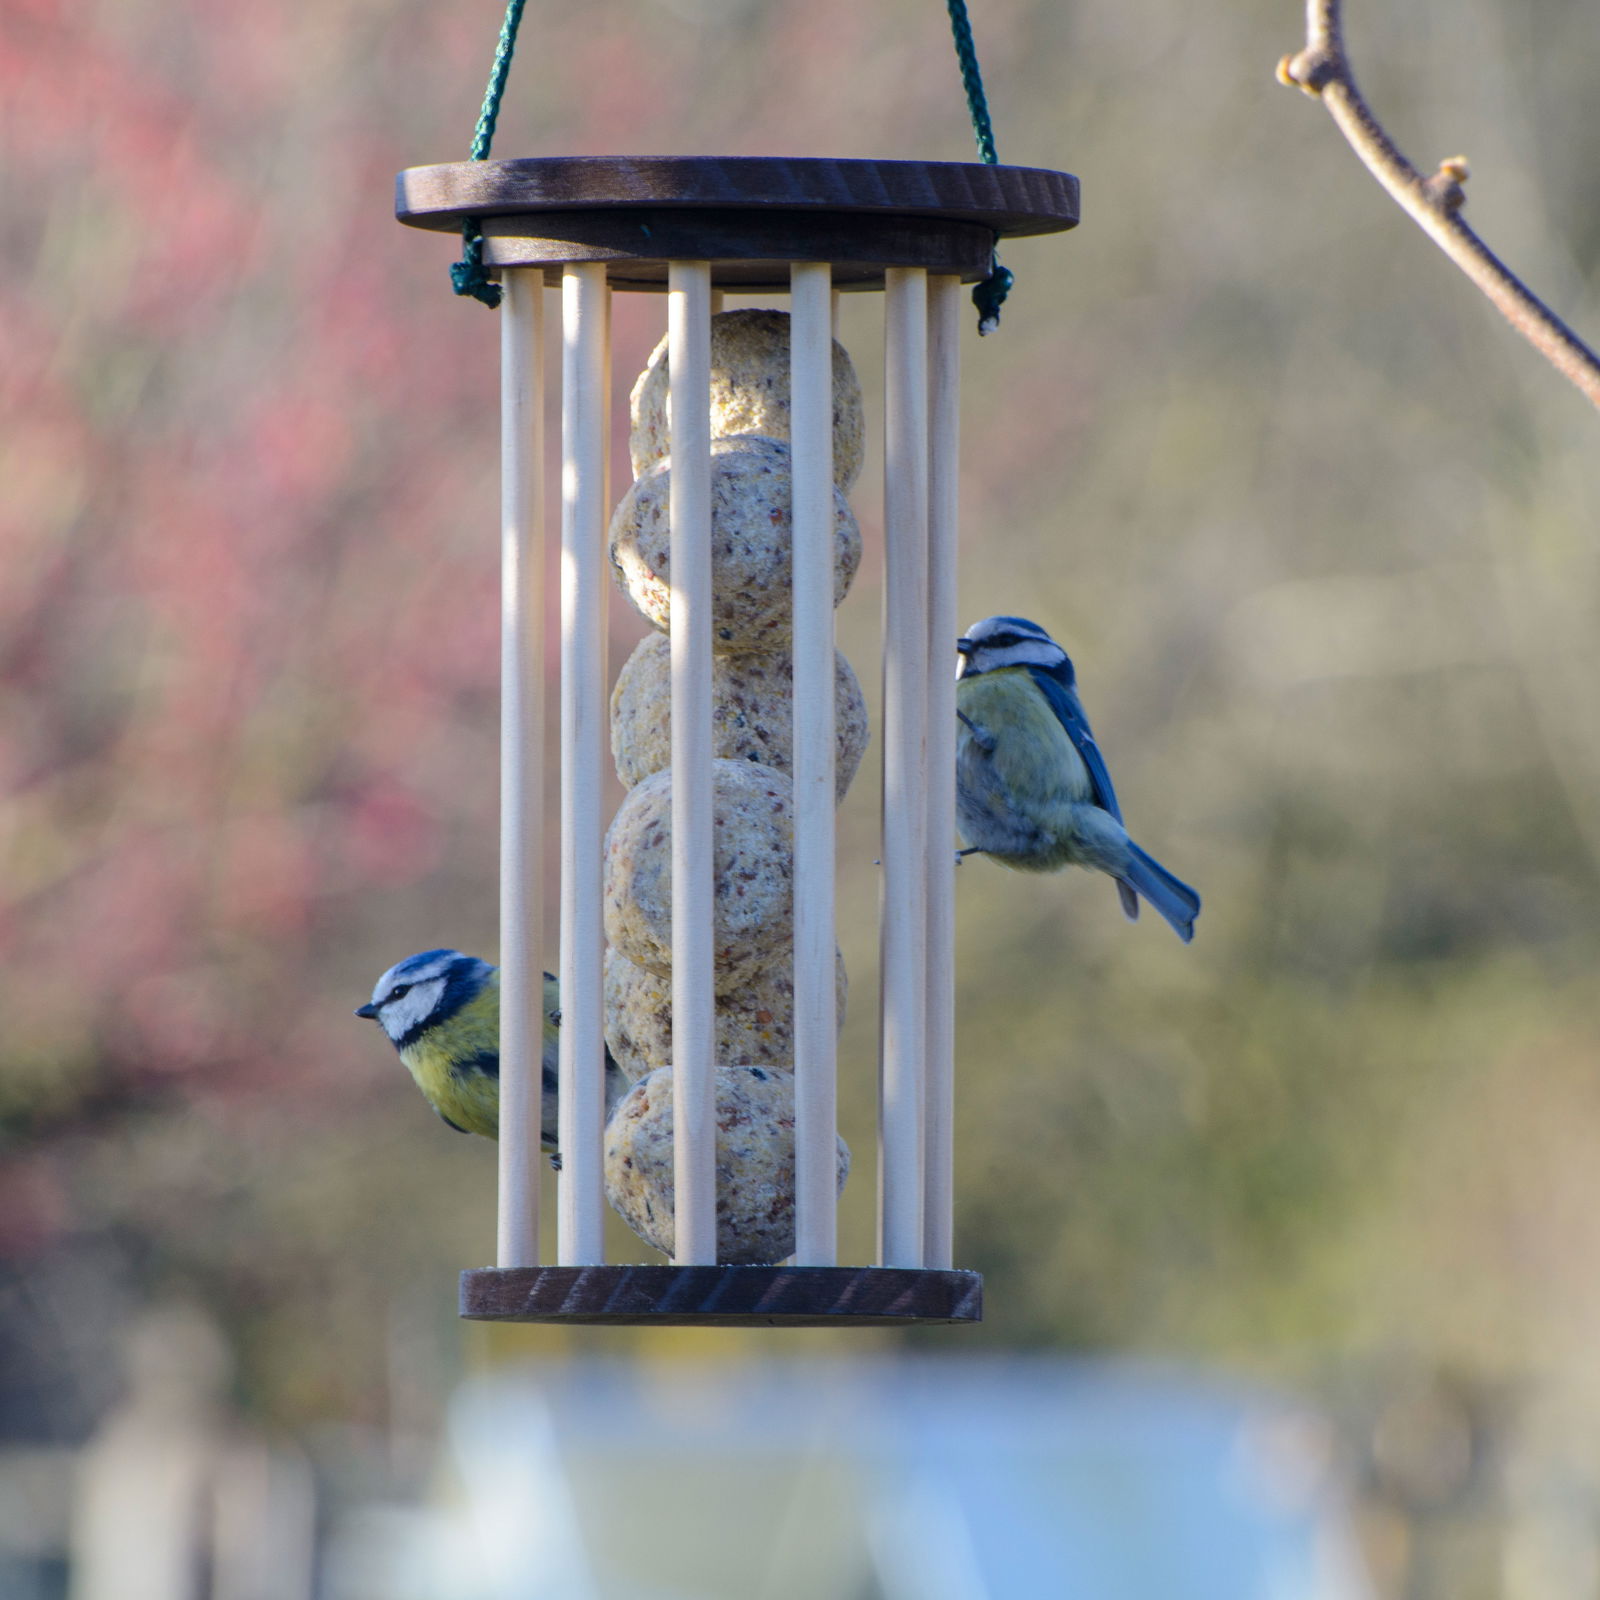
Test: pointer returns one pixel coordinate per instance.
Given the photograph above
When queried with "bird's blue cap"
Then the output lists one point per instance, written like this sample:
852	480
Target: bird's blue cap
464	972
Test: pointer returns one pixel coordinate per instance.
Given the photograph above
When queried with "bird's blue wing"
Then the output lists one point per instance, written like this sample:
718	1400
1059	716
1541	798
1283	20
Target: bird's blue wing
1063	700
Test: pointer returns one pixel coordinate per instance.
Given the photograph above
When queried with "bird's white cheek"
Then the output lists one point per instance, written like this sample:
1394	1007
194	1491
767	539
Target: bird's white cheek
402	1015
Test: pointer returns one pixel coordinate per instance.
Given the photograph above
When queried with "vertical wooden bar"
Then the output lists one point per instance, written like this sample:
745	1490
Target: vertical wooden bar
944	323
585	429
815	1000
693	841
521	752
902	1016
607	495
716	301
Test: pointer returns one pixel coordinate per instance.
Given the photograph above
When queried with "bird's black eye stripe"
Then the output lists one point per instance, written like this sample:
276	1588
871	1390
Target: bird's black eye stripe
397	992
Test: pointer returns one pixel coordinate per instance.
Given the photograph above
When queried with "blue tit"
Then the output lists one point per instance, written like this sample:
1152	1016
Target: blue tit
441	1010
1032	788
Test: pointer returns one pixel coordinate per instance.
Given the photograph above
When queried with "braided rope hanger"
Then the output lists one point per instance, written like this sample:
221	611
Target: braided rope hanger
989	295
467	274
468	277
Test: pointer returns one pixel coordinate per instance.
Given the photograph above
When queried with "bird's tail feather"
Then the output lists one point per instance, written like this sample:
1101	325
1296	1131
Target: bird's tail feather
1171	896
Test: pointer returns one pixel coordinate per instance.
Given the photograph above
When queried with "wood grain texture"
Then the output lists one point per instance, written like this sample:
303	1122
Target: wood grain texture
1007	200
729	1297
748	250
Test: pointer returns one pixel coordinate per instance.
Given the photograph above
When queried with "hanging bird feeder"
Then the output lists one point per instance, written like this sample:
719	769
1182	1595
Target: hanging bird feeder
707	1150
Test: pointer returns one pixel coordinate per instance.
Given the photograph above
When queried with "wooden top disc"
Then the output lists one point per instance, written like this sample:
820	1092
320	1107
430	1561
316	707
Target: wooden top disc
748	215
1010	200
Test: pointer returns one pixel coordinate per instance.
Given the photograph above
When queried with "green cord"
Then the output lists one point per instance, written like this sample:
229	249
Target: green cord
989	295
972	80
467	274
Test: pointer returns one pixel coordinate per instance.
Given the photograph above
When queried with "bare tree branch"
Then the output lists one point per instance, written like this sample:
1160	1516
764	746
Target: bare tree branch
1322	69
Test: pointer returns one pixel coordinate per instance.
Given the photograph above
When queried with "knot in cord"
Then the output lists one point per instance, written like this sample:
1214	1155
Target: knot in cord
467	275
989	295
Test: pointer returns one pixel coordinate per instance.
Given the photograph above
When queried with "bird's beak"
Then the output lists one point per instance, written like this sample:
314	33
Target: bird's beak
368	1010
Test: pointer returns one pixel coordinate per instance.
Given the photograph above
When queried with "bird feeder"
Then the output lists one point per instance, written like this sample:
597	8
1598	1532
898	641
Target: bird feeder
692	229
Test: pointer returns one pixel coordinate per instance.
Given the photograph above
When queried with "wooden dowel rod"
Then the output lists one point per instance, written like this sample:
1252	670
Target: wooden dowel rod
815	1001
603	619
521	748
902	930
944	324
693	1035
585	366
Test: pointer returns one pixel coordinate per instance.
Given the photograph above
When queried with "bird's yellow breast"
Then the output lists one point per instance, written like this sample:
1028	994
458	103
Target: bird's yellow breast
1034	759
444	1062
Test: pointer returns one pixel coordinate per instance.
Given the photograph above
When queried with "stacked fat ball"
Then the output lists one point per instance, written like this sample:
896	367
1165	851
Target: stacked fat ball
752	714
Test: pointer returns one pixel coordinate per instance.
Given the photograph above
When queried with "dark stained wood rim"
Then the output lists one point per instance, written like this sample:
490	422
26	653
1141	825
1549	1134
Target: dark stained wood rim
1009	200
749	251
726	1297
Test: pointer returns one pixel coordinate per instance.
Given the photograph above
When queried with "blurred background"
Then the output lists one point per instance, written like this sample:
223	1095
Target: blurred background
1316	527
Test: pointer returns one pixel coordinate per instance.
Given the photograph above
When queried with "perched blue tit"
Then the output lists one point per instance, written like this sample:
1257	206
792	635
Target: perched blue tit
1032	788
441	1010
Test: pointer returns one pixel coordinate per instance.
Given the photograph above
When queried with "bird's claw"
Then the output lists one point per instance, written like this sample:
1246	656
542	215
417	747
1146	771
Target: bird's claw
981	736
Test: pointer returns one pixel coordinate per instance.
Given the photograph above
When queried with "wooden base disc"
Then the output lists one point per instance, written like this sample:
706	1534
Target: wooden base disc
723	1297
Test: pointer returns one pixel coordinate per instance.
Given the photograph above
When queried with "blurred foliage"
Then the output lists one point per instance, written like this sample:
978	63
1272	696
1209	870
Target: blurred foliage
1318	530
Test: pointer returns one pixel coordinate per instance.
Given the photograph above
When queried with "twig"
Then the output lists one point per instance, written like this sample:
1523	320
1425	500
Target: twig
1322	69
